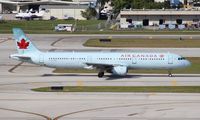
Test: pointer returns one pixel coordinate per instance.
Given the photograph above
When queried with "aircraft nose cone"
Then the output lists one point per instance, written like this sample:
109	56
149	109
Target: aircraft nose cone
187	63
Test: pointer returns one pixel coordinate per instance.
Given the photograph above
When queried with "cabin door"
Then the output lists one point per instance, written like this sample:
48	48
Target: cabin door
89	59
170	59
41	59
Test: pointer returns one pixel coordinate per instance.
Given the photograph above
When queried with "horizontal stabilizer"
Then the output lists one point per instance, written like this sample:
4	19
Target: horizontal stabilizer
20	56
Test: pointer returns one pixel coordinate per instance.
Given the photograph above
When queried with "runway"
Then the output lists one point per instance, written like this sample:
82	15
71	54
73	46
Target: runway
18	102
74	42
100	106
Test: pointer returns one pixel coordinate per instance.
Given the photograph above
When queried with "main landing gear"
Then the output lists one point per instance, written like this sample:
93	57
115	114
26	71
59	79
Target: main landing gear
100	74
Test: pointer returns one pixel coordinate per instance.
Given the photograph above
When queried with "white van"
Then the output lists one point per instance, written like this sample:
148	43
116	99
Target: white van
64	27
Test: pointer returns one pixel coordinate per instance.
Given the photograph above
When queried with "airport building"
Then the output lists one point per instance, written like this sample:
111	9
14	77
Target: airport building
190	4
70	11
56	8
159	17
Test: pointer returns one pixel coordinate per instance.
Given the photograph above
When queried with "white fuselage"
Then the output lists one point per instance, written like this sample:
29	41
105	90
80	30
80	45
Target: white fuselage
130	60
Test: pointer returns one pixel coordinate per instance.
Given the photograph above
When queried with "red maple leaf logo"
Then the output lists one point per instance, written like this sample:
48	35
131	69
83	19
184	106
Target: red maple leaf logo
23	44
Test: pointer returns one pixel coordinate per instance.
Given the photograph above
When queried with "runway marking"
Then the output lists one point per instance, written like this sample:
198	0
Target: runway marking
71	82
133	114
174	83
21	65
52	50
165	109
32	113
3	41
152	94
79	83
60	39
13	68
109	107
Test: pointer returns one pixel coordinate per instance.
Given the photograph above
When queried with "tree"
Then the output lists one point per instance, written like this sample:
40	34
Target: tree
118	5
138	4
89	13
102	2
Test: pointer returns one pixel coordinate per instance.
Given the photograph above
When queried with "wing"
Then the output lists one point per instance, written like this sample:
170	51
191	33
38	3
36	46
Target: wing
101	66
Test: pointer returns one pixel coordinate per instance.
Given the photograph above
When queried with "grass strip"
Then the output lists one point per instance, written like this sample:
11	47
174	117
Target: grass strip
161	89
193	69
83	27
150	43
46	26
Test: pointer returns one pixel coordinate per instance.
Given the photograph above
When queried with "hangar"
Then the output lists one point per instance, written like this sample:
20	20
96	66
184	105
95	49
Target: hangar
157	17
56	8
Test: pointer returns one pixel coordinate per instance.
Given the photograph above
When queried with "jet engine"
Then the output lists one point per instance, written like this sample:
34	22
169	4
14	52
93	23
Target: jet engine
120	70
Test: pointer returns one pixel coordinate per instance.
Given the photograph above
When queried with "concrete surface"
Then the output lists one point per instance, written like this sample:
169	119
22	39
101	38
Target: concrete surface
69	42
18	102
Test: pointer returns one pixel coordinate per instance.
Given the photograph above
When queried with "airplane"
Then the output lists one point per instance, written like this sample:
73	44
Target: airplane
116	63
31	14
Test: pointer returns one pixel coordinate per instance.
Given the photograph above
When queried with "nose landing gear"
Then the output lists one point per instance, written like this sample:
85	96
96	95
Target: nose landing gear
170	74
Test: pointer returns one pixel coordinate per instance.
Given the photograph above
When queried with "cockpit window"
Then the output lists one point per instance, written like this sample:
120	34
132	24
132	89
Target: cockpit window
181	58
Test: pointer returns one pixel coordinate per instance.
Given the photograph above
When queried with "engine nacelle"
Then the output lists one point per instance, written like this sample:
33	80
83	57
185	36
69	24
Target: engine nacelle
120	70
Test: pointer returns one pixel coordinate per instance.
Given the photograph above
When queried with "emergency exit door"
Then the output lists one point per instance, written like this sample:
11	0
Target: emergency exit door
134	60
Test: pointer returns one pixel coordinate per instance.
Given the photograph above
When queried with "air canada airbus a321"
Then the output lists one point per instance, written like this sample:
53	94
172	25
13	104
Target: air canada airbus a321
117	63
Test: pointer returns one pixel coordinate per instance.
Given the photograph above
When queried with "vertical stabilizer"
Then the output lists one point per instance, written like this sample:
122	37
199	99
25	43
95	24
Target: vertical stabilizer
23	44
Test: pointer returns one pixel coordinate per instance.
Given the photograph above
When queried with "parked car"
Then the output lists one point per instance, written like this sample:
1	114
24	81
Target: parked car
66	17
64	27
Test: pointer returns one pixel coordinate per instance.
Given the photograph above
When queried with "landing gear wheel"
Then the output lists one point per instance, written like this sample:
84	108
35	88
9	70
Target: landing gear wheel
100	74
170	74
